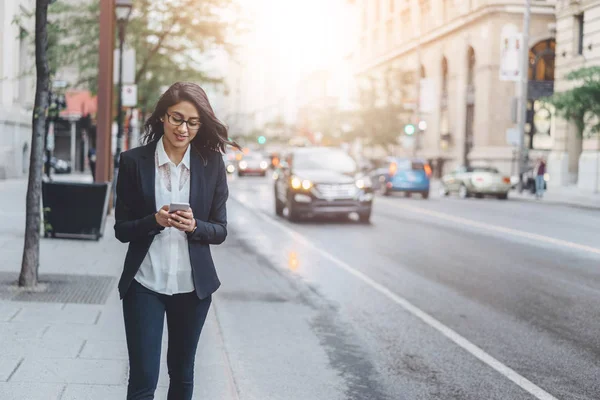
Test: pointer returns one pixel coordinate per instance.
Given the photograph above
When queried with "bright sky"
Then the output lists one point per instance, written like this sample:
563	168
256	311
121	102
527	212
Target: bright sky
305	34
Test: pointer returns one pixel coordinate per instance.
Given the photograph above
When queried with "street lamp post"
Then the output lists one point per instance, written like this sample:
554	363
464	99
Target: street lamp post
123	11
523	91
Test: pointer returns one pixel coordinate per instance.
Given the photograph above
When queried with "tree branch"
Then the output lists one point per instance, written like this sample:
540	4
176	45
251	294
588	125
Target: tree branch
152	52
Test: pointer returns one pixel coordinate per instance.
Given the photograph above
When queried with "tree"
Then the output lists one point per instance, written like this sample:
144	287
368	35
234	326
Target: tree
171	40
31	249
581	104
382	114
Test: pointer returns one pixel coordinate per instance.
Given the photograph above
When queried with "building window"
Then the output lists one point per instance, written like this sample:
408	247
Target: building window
377	8
405	24
425	10
389	35
391	8
579	27
541	61
364	16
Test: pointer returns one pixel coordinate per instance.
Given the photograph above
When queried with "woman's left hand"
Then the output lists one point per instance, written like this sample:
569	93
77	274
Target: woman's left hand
183	220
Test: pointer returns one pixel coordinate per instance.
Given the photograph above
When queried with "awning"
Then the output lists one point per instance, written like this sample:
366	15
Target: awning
80	103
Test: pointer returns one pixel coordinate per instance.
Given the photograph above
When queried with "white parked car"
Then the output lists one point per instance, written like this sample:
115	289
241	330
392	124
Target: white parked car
476	181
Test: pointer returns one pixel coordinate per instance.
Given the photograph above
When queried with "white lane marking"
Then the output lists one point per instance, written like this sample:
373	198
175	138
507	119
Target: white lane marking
496	228
461	341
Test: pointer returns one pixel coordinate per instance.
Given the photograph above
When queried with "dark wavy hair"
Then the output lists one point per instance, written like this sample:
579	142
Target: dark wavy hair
212	134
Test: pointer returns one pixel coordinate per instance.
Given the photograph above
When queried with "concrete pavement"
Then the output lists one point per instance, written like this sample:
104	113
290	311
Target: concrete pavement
77	351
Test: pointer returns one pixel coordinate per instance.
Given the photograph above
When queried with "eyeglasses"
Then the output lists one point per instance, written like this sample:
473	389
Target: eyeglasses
192	124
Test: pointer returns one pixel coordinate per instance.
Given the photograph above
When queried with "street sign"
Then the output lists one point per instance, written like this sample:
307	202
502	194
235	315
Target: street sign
129	94
59	84
128	66
512	136
510	55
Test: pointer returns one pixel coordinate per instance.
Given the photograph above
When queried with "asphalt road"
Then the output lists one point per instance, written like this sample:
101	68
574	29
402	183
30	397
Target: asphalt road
435	299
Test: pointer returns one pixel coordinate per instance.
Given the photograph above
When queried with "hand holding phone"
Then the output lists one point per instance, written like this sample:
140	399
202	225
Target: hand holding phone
174	207
181	217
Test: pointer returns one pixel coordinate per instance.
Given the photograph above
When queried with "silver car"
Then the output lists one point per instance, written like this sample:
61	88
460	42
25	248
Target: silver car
476	181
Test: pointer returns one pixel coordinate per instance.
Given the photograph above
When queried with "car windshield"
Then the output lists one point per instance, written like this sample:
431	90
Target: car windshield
483	169
333	160
408	165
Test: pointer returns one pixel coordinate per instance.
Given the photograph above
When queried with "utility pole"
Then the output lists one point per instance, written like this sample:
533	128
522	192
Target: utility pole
418	134
523	90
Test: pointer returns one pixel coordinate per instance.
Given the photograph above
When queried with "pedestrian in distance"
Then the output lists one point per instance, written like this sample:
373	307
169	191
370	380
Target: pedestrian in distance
168	269
540	172
92	162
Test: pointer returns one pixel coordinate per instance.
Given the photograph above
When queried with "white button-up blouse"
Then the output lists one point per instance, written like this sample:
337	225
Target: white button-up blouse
167	268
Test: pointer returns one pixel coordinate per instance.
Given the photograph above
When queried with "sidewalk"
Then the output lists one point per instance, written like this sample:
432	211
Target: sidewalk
75	350
565	195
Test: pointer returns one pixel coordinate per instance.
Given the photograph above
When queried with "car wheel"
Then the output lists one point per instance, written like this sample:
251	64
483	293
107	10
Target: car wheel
443	191
503	196
279	206
365	217
425	195
478	196
463	192
240	174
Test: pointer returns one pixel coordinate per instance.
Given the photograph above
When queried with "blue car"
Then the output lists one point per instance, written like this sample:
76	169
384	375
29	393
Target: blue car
407	175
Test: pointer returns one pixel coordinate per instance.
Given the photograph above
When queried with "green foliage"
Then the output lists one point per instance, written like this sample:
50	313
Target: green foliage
381	115
581	104
170	39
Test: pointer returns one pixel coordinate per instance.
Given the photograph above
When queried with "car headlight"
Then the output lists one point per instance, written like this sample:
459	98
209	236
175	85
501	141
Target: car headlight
298	183
230	168
363	182
263	165
243	165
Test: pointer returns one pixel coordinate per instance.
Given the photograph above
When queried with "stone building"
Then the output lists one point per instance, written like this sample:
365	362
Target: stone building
575	158
455	45
16	93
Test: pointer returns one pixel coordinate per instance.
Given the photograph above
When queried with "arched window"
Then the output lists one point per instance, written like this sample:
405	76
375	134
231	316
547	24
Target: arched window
444	80
471	66
541	61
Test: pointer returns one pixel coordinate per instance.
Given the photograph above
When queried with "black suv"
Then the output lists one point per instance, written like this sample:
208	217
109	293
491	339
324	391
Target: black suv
313	181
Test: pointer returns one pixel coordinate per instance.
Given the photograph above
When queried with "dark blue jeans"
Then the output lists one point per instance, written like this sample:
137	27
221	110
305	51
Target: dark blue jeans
144	313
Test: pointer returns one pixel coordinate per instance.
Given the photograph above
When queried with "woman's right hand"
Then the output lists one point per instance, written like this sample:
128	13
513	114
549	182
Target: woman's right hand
162	216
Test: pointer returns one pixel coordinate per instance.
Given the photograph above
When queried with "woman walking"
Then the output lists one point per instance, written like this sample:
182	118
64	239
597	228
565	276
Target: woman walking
168	269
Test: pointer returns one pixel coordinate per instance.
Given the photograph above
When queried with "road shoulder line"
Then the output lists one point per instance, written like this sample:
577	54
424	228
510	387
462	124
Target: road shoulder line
448	332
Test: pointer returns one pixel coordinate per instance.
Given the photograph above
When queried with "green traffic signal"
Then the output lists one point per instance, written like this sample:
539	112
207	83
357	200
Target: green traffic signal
262	140
409	129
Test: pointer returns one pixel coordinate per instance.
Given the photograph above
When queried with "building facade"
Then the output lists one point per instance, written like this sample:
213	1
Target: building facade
575	157
455	46
16	93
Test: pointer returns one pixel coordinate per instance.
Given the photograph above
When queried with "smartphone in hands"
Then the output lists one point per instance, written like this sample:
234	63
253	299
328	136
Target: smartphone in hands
174	207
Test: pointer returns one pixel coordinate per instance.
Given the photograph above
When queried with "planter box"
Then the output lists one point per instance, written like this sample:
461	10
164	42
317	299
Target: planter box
75	210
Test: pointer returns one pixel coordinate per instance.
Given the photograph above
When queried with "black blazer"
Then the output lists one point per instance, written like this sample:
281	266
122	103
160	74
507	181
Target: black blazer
136	205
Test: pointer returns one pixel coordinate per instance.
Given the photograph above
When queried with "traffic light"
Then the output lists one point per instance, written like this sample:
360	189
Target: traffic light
409	129
262	140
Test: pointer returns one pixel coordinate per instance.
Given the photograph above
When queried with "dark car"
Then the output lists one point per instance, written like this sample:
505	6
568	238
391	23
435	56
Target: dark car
253	164
316	181
58	166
